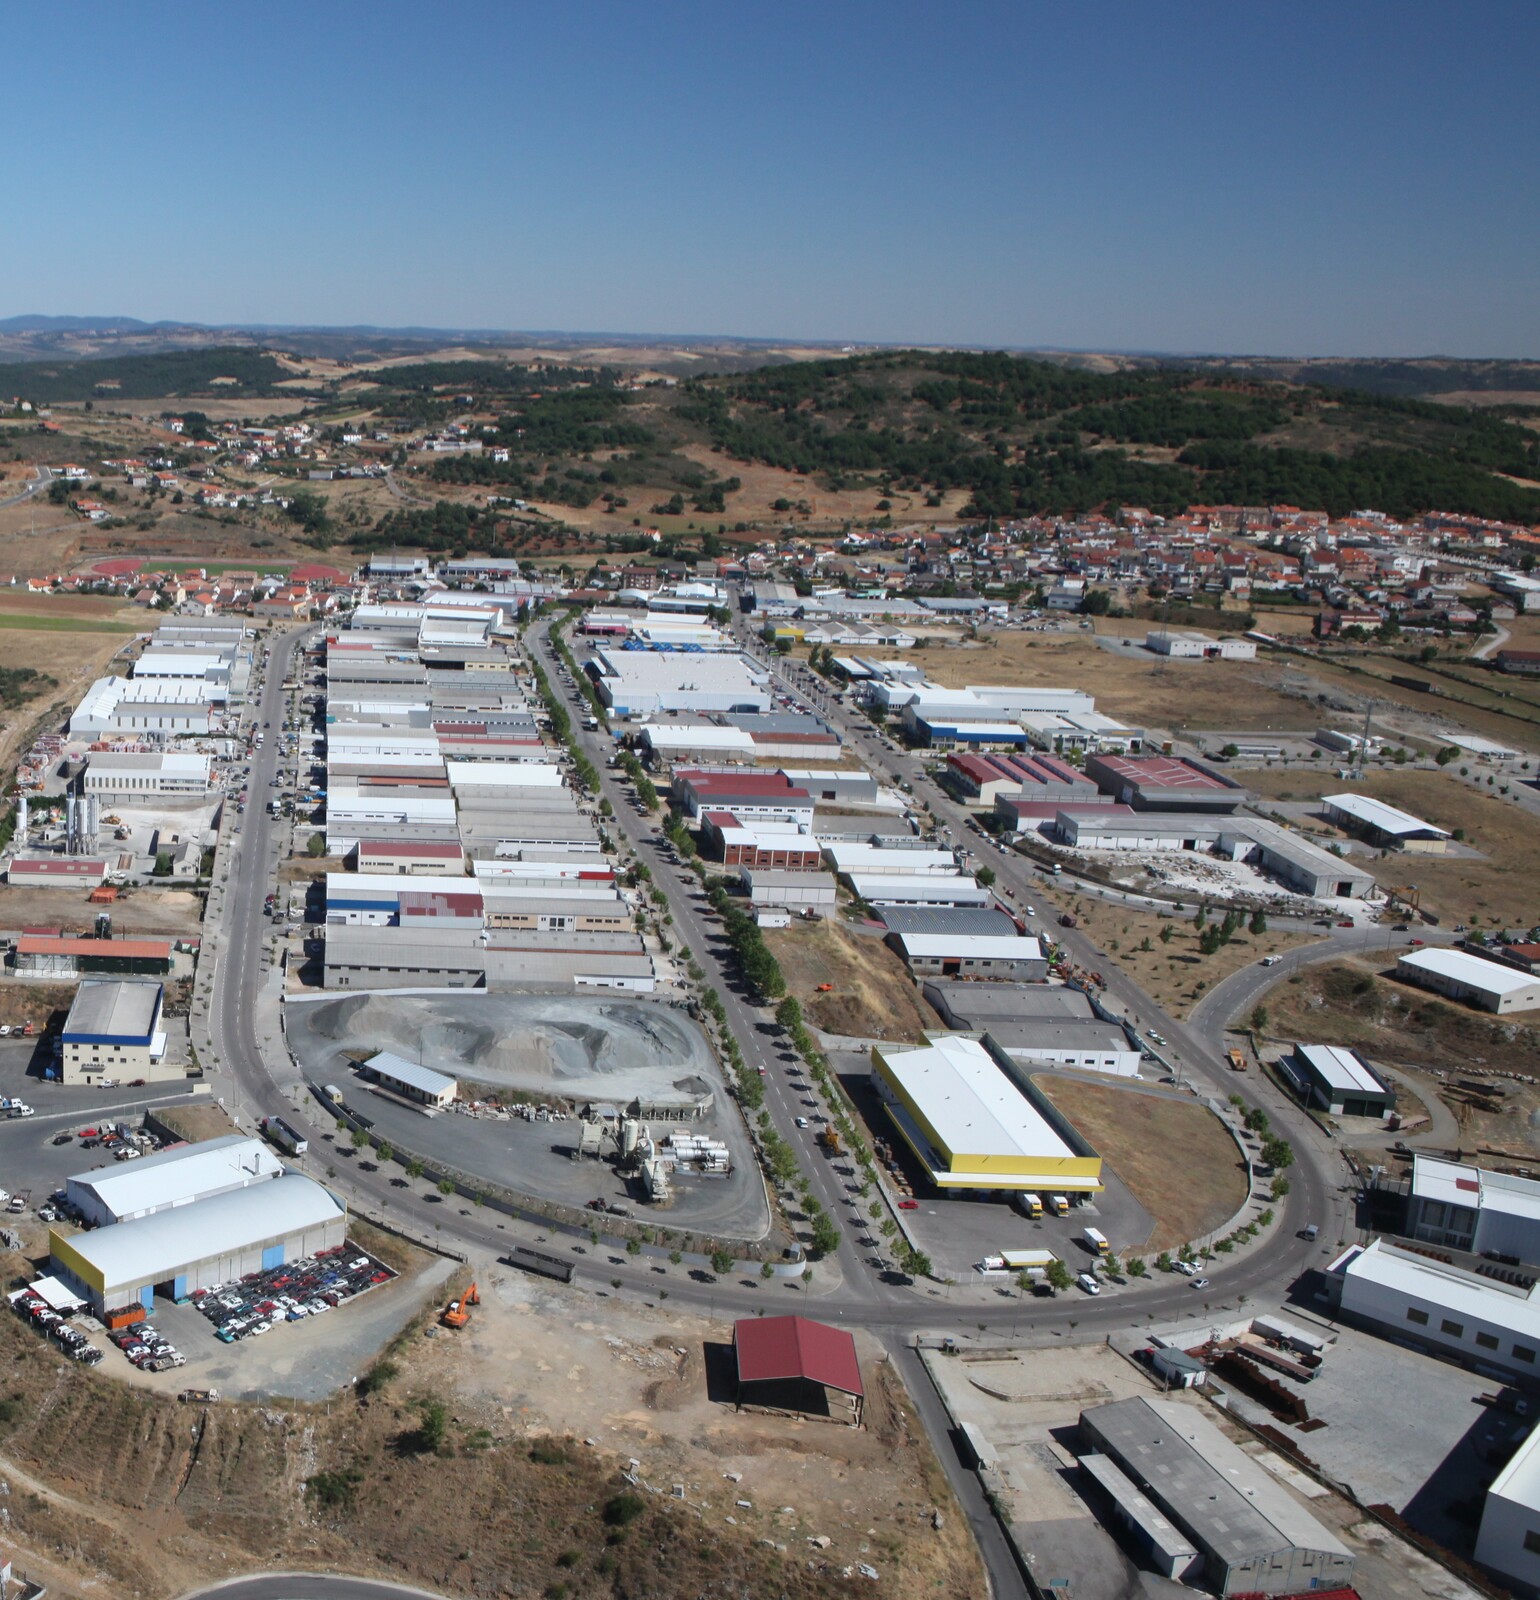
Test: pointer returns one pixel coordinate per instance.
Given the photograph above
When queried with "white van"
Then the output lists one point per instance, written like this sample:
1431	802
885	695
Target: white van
1088	1283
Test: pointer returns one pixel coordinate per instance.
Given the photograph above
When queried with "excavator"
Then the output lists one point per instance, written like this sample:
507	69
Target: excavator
458	1312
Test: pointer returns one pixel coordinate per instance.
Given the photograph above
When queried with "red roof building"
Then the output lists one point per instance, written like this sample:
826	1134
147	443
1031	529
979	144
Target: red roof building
792	1364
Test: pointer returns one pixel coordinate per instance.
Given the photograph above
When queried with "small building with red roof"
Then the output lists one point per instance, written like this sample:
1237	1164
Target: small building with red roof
792	1364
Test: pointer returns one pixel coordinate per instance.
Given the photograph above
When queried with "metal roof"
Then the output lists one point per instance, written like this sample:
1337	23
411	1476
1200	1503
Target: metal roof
1376	814
970	947
1437	1283
972	1107
411	1073
777	1348
1217	1493
1469	969
174	1177
1340	1068
154	1248
118	1010
47	944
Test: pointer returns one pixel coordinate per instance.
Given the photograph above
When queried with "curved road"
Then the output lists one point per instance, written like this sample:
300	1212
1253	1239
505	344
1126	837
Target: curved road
849	1288
309	1586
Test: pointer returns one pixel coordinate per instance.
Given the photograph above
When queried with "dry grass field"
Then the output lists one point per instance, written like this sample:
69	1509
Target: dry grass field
1129	682
873	995
1174	1155
1496	887
1174	972
71	658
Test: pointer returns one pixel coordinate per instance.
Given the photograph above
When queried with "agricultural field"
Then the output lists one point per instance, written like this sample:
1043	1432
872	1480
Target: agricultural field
1175	1155
873	996
1494	887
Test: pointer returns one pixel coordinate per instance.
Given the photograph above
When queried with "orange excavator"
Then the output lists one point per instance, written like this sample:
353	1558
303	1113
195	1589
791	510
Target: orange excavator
458	1312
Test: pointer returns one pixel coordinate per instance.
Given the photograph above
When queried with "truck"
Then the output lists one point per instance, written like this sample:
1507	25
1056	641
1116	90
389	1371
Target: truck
19	1200
199	1397
1032	1262
1096	1242
829	1140
1058	1204
1236	1059
1029	1205
285	1137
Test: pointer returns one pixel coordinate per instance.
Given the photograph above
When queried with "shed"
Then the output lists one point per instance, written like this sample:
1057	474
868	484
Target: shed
793	1364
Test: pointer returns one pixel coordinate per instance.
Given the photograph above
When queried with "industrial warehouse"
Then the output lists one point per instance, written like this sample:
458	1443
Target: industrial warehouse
1247	1535
976	1124
212	1239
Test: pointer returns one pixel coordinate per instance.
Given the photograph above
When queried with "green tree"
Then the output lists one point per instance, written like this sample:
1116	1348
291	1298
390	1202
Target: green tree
1058	1276
915	1263
1258	924
721	1261
1259	1019
1166	933
986	877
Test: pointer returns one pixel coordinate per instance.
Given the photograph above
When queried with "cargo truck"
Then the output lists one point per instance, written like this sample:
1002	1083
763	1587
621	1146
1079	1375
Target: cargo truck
1096	1241
1029	1205
1058	1204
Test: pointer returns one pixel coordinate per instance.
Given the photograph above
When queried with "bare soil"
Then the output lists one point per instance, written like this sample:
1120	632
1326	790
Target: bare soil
1174	1154
118	1491
165	911
873	995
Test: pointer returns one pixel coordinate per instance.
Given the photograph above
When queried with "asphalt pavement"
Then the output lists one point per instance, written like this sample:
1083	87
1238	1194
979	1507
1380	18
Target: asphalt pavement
845	1288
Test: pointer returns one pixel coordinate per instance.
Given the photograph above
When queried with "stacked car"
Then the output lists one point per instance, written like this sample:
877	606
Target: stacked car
147	1347
306	1288
46	1320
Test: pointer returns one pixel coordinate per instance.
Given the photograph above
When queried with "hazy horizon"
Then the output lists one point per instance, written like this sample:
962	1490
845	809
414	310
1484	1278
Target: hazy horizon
1200	180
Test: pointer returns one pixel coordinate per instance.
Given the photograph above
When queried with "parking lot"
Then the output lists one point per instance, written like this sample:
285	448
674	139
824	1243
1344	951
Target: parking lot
1402	1429
304	1360
955	1232
31	1161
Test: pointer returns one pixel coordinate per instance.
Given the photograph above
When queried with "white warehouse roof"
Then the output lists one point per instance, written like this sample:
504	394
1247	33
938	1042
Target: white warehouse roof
1376	814
152	1248
970	947
1340	1068
1455	1184
503	774
175	1177
1420	1277
1468	969
410	1072
960	1090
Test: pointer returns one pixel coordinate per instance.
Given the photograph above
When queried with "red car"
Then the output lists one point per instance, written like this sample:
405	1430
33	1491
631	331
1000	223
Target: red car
908	1205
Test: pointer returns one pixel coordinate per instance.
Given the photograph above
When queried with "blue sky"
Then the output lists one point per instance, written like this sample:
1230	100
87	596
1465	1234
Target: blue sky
1286	178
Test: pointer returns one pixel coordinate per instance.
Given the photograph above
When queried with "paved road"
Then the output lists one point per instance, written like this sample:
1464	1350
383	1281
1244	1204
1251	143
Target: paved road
308	1586
847	1288
41	481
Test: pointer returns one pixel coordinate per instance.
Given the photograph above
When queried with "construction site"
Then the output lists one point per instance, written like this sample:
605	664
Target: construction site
613	1104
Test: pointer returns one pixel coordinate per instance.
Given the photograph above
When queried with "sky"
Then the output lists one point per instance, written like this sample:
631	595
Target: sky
1288	179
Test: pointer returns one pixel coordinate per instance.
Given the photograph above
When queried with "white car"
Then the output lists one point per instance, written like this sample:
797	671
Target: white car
1186	1268
1271	961
1088	1283
801	1122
